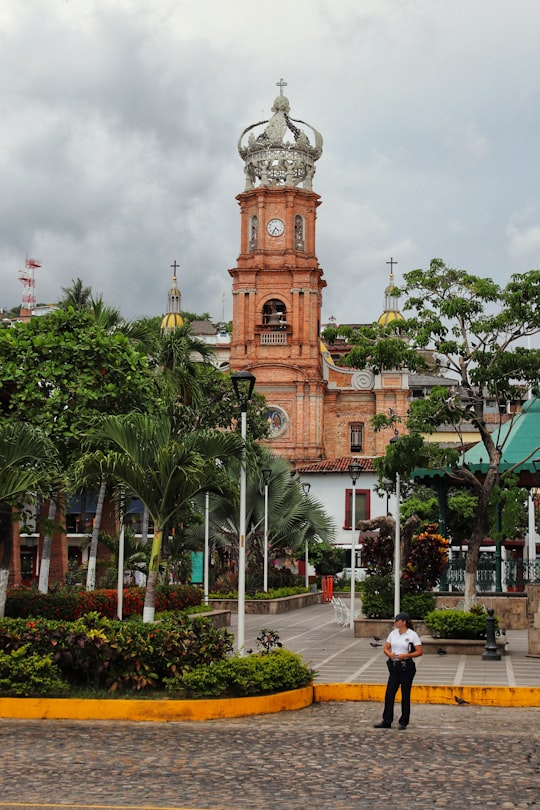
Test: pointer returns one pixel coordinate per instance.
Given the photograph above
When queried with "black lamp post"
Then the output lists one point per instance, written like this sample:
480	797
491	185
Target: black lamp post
266	475
354	472
243	384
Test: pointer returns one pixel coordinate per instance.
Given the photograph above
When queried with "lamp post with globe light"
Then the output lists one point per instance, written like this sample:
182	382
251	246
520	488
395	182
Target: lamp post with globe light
243	384
354	472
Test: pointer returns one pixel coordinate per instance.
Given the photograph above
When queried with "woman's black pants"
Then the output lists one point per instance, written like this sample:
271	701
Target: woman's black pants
401	675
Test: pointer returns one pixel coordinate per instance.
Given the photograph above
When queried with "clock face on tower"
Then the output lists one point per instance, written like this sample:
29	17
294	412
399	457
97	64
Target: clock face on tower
275	227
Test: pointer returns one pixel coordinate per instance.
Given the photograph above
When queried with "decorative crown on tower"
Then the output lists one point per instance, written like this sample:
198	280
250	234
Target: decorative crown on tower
272	157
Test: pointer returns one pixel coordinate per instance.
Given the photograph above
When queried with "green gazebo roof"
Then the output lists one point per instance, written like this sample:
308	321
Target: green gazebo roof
519	439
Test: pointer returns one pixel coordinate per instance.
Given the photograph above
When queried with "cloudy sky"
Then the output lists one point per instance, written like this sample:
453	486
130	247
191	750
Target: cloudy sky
119	122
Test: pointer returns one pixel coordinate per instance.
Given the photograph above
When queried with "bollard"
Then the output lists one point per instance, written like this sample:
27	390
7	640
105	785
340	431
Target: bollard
491	653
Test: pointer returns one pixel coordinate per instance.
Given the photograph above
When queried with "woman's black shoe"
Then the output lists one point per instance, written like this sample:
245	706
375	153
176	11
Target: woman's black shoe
381	725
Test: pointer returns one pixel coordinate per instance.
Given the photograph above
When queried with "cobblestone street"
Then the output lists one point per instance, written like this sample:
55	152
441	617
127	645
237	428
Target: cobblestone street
325	756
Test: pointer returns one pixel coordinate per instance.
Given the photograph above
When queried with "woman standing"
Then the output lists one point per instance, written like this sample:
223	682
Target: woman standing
402	645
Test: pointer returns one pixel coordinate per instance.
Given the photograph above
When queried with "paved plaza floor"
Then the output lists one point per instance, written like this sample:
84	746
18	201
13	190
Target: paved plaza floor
338	657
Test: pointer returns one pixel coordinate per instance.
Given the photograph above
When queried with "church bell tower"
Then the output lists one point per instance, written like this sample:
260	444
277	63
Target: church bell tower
277	283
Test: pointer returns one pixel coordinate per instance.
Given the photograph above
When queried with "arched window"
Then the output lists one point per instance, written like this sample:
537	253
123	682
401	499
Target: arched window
274	314
299	232
253	233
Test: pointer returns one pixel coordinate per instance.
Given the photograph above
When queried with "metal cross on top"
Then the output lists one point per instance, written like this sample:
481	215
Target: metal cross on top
175	266
392	262
281	84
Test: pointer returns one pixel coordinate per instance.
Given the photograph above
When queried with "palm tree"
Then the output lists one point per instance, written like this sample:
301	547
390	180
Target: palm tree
292	516
27	465
163	468
178	356
77	296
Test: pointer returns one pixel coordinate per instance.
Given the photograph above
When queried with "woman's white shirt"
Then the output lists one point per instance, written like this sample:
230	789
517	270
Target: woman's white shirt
399	642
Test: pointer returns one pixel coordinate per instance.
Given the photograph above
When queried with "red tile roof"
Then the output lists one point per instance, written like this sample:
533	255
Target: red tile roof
337	465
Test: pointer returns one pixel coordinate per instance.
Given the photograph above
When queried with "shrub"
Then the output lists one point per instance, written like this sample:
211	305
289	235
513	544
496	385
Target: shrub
378	596
418	604
107	654
258	674
428	555
71	604
29	674
277	593
457	623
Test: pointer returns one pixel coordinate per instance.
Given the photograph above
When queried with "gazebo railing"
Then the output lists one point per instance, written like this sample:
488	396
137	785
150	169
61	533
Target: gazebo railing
516	574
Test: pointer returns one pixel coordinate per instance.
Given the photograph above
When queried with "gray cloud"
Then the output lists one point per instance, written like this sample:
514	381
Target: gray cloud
119	125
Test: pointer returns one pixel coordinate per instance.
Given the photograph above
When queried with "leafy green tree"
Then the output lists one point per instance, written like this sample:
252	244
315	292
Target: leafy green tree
58	372
219	402
476	331
165	469
28	465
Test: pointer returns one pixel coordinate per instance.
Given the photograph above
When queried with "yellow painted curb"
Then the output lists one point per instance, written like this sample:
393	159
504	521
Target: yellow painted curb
198	710
153	710
503	696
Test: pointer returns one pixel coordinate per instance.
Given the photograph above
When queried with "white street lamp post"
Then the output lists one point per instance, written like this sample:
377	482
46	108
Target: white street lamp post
120	577
266	476
397	552
206	545
306	486
243	383
354	472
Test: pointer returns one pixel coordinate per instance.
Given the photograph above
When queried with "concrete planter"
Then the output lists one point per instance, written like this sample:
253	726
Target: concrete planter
460	646
269	607
367	628
219	618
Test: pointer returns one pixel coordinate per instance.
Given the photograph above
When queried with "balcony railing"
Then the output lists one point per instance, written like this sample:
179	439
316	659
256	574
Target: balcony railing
273	338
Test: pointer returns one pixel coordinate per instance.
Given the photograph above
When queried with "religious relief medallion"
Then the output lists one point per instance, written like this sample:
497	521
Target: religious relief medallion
363	380
277	420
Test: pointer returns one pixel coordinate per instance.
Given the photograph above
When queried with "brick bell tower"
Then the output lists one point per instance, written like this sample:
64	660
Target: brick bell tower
277	283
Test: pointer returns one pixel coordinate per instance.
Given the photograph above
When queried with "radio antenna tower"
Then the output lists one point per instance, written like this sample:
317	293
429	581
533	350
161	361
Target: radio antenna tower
26	277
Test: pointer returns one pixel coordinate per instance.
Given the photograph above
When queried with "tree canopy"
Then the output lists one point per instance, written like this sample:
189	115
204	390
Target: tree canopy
474	331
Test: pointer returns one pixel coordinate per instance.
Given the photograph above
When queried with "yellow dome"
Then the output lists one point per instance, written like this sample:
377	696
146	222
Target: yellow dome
325	353
388	317
171	321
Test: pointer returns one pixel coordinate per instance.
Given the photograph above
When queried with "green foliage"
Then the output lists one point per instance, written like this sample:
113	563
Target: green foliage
427	558
268	640
62	369
418	604
508	504
105	654
70	604
219	405
378	596
458	623
24	673
258	674
274	593
378	554
427	555
325	557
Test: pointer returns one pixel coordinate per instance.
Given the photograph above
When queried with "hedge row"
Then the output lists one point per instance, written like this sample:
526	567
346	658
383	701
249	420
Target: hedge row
101	653
71	604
